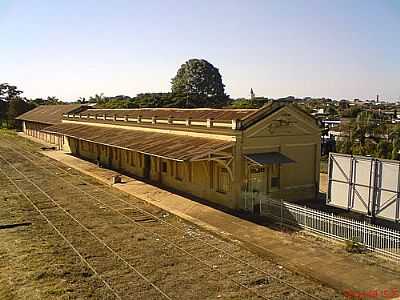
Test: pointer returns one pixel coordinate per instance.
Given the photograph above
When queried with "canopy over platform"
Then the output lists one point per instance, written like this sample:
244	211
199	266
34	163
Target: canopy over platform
268	158
49	114
169	146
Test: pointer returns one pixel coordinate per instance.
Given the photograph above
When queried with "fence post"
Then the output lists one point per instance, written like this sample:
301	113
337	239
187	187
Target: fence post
377	238
281	214
305	217
365	233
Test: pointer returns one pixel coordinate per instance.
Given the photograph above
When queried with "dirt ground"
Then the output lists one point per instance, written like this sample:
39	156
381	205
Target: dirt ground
116	246
323	182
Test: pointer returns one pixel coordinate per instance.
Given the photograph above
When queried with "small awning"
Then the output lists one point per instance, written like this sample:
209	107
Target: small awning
268	158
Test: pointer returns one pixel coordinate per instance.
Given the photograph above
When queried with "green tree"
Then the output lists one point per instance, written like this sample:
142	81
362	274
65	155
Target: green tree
201	83
394	137
3	112
53	101
351	112
8	93
16	107
344	146
332	111
363	127
383	149
98	98
395	152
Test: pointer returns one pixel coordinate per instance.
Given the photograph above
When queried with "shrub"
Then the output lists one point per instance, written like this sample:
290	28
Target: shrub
355	246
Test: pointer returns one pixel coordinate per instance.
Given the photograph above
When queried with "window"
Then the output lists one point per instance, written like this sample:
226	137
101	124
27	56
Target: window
274	182
179	171
164	167
223	181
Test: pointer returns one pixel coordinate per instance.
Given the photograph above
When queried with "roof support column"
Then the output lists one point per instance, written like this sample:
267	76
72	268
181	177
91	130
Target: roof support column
237	170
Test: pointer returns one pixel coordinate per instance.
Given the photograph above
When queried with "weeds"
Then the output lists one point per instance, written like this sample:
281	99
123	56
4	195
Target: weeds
355	246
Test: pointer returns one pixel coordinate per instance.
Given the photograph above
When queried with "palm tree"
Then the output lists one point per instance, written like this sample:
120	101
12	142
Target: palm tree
98	98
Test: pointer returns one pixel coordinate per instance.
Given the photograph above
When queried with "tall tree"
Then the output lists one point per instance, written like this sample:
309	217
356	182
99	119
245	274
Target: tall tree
3	112
16	107
201	83
98	98
8	93
12	104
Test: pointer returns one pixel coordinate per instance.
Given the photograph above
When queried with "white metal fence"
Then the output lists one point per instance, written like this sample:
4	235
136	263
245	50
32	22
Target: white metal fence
380	239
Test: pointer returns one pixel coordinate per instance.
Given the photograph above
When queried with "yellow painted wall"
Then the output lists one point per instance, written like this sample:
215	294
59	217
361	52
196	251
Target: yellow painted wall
194	178
297	137
34	129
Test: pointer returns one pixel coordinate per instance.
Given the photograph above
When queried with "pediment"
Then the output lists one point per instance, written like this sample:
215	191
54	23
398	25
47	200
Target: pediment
283	123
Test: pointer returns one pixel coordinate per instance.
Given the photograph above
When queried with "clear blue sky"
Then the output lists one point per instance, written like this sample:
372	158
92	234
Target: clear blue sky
71	48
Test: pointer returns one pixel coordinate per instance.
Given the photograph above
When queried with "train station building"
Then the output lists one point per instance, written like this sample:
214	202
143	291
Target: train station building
219	155
44	116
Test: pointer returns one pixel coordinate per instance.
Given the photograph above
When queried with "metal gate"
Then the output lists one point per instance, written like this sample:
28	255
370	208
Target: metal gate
364	184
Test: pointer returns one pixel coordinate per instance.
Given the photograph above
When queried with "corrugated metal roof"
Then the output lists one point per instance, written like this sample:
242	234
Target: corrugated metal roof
247	117
178	113
48	114
269	158
171	146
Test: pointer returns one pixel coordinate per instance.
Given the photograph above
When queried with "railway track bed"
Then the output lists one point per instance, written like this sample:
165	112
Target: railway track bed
87	240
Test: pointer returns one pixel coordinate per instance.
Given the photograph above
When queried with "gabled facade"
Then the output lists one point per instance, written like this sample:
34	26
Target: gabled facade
220	155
